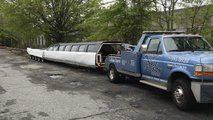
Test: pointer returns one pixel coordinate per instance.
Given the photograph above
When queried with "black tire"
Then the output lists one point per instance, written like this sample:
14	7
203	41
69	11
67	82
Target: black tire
122	77
113	75
182	94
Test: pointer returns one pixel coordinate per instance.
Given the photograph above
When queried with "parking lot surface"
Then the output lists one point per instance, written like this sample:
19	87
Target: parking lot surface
31	90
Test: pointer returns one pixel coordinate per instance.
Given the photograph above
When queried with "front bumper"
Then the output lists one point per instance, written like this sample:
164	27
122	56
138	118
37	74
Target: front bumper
203	91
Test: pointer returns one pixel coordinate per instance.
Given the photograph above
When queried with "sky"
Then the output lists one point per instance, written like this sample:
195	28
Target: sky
110	2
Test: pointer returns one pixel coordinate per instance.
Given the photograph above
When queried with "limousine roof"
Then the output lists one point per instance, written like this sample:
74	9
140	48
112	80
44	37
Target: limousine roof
88	43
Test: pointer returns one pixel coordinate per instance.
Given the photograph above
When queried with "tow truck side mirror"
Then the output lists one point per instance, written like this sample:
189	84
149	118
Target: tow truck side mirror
143	48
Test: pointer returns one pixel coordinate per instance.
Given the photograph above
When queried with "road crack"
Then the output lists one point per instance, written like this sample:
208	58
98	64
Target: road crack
101	113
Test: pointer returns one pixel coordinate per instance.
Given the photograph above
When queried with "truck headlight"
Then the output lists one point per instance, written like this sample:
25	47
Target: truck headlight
204	70
208	67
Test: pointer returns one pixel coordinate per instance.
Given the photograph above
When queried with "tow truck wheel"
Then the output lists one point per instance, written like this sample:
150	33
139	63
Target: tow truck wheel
113	74
182	94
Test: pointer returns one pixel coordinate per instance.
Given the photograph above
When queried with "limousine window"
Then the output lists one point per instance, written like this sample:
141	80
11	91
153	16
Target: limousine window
55	48
93	48
82	48
50	49
61	48
74	48
67	48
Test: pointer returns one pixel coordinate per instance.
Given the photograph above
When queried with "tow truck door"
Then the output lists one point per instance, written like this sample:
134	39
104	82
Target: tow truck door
152	62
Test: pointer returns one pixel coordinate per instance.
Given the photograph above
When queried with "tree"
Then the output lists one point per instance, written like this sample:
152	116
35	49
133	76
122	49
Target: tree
125	20
196	14
57	19
165	12
89	11
13	26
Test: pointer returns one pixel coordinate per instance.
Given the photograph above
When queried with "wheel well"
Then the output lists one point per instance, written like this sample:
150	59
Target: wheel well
111	64
175	76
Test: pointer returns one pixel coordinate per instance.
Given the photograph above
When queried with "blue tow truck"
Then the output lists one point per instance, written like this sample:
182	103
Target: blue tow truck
173	61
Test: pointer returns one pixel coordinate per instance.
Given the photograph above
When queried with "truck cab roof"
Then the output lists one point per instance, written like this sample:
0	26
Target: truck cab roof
168	34
181	35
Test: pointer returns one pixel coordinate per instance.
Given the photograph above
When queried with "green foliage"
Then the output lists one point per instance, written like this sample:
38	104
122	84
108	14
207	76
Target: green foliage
14	25
89	20
197	17
57	19
122	21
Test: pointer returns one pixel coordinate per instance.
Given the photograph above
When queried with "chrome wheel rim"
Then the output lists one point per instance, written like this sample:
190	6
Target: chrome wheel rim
179	95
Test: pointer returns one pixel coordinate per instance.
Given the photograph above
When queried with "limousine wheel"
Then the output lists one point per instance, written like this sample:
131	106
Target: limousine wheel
182	94
113	74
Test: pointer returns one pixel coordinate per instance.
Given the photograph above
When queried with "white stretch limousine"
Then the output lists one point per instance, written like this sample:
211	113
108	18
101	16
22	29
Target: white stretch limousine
90	54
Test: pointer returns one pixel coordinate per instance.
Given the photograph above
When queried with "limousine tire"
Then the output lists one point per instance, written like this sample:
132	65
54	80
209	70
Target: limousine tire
182	94
113	75
33	57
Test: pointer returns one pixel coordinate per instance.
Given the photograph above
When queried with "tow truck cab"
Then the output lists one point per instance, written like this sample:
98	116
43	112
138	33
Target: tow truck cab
172	61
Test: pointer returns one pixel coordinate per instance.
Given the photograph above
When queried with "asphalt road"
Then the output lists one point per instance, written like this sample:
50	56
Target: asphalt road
30	90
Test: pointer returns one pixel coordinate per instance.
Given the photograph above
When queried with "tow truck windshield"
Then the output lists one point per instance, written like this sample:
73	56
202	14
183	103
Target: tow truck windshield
175	44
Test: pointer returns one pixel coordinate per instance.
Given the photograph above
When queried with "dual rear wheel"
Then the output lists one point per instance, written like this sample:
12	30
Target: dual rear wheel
113	75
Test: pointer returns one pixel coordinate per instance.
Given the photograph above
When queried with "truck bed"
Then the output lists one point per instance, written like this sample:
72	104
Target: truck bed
126	63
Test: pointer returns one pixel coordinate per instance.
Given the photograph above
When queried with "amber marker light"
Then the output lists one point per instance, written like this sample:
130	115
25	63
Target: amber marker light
203	73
